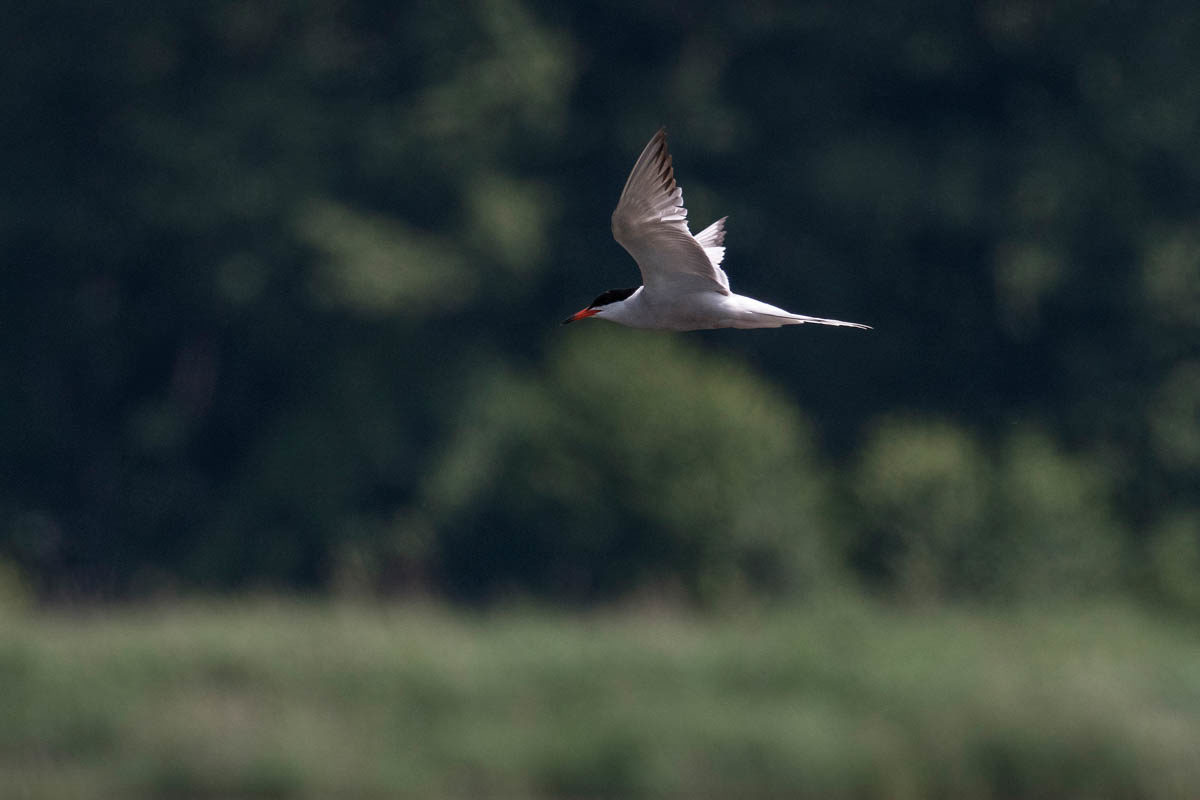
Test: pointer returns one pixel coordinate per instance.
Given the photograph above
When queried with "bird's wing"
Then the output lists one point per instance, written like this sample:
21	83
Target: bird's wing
651	223
712	239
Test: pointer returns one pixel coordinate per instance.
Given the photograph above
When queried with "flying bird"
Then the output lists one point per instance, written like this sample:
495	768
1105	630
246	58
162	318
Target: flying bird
683	286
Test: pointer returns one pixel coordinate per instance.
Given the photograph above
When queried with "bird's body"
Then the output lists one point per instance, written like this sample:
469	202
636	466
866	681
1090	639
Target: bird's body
701	310
683	286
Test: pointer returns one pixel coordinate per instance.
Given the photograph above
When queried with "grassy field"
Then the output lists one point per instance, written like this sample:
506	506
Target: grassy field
271	699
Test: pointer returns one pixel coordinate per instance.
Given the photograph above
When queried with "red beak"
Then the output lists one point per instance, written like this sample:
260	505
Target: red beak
584	314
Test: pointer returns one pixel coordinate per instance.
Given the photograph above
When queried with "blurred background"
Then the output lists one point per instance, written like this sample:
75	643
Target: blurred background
304	490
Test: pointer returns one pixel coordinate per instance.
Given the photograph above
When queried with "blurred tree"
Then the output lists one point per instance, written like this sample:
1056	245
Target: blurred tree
946	518
261	256
1175	560
634	461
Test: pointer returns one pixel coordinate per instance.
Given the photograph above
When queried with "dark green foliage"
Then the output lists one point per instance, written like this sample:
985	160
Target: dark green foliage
281	282
634	461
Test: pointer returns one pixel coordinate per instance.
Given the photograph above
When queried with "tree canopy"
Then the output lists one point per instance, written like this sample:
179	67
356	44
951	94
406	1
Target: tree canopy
283	281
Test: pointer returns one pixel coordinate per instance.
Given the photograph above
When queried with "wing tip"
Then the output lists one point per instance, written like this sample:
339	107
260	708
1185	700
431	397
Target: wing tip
713	235
654	166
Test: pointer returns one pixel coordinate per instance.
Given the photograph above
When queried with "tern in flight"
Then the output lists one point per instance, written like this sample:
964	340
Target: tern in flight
683	286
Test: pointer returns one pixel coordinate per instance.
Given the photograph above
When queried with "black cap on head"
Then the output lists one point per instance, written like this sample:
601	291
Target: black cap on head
612	296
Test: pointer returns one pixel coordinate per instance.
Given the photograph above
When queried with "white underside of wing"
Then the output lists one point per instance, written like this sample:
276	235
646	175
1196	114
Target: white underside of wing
650	222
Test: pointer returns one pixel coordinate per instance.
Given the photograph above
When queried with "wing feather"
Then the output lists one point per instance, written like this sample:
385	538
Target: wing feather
650	222
713	235
712	239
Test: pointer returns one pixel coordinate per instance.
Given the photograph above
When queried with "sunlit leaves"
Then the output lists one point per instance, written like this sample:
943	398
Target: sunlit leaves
510	220
1175	419
375	265
516	71
1175	558
952	517
1170	273
1026	274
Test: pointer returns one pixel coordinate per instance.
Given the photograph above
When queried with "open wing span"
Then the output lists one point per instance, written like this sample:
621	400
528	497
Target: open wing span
650	222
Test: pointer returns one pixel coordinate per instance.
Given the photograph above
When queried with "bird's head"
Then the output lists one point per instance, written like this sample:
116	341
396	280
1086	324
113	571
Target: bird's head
602	304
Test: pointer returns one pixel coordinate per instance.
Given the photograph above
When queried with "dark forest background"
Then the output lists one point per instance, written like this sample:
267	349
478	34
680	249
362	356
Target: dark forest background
282	281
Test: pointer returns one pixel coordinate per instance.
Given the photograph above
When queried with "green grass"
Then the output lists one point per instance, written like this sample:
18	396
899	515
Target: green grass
278	700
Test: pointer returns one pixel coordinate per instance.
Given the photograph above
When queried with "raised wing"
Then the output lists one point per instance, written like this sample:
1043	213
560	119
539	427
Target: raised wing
712	239
651	223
